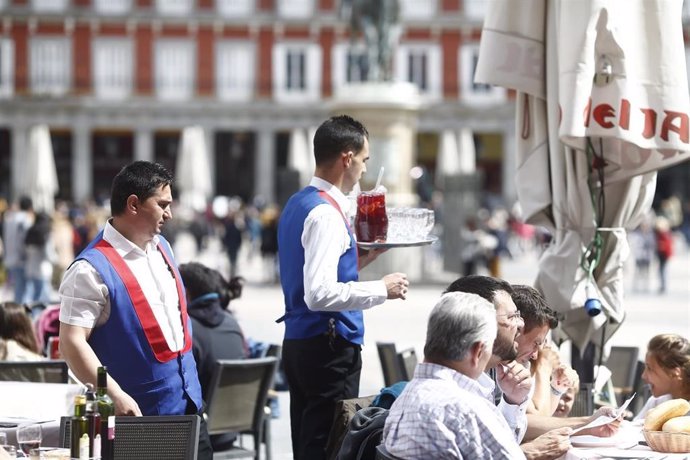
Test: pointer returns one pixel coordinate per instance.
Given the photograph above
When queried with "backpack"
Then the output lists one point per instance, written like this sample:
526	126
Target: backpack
364	434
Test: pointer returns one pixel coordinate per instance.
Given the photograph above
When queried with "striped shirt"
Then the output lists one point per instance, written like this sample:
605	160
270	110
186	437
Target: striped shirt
443	414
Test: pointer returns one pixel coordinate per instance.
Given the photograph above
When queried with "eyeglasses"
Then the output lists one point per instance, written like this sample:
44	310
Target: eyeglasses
511	316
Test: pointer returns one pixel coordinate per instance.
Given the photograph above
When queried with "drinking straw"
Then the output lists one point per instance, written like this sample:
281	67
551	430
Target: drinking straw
379	179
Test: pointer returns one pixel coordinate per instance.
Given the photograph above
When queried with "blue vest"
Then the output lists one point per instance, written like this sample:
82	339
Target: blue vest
131	342
300	321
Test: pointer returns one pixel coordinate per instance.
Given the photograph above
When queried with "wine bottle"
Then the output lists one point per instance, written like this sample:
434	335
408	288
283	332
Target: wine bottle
94	420
106	407
79	425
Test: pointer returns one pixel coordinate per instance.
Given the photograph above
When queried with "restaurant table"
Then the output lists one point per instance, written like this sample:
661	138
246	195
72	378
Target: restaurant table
626	444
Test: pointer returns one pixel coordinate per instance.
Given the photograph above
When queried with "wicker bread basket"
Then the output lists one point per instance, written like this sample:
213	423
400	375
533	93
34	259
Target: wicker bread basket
666	441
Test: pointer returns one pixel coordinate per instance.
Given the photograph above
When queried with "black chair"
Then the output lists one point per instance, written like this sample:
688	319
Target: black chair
622	363
584	401
45	371
150	438
237	403
390	363
408	362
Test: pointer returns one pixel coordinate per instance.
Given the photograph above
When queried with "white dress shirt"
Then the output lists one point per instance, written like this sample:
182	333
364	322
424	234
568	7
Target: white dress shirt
84	297
515	414
325	239
443	414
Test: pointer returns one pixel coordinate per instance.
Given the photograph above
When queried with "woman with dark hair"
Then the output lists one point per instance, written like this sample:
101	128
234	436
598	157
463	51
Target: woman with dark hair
40	256
17	339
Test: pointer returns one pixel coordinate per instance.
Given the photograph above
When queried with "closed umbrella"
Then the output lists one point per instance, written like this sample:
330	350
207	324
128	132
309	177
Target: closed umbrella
193	175
602	103
40	176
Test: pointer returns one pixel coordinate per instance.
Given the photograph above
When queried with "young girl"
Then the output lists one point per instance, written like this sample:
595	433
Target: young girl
667	370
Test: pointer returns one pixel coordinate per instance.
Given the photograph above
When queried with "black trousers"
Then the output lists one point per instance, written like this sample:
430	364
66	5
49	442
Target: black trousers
319	372
205	451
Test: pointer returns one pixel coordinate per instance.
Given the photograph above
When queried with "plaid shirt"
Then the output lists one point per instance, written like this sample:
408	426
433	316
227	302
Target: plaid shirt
443	414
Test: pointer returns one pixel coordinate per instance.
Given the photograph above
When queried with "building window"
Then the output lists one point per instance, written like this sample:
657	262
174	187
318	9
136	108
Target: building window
175	69
50	64
113	6
49	6
420	64
470	91
235	70
112	68
174	7
349	64
416	9
297	72
235	8
475	9
6	68
295	8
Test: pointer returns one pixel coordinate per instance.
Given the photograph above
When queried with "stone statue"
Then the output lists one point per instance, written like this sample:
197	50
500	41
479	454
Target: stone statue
379	23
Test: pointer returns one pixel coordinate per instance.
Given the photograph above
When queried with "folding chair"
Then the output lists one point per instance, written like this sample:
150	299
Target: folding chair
237	403
408	362
584	401
174	437
45	371
622	363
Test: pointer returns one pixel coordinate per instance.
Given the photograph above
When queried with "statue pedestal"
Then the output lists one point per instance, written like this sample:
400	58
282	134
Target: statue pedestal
389	111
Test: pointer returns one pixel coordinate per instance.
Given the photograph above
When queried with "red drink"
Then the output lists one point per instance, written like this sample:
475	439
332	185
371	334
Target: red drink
371	223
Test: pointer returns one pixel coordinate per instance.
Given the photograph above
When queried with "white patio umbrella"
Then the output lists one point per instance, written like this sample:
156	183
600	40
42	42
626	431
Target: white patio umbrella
193	175
299	157
447	158
40	176
602	97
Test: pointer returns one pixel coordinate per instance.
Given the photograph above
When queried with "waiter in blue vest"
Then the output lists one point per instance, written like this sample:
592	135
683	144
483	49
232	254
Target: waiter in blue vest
123	305
319	264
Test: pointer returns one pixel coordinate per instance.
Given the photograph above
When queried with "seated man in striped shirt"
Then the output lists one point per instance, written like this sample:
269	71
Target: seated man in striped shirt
444	412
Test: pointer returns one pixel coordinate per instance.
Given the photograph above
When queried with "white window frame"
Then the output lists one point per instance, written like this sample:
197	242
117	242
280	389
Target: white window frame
470	94
49	6
166	87
241	87
296	9
418	9
339	58
115	79
112	6
236	8
312	72
434	69
6	67
475	9
174	7
46	76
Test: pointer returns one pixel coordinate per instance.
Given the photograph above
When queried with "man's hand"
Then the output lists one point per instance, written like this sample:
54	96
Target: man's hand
125	404
563	377
396	285
548	446
515	381
548	358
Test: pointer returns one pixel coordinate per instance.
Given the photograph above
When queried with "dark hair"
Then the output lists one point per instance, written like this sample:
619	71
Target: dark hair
15	324
483	286
38	233
25	203
201	280
140	178
336	135
533	308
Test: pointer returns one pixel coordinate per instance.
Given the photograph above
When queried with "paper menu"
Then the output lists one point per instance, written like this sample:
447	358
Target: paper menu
605	419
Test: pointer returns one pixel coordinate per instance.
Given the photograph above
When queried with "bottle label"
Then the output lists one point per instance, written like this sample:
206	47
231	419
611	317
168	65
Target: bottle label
111	427
84	447
97	447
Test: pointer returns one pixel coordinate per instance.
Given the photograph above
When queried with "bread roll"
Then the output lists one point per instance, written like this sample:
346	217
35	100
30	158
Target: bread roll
677	424
665	411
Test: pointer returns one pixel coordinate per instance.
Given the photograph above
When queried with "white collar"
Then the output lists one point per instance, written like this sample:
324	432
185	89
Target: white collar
333	191
124	246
